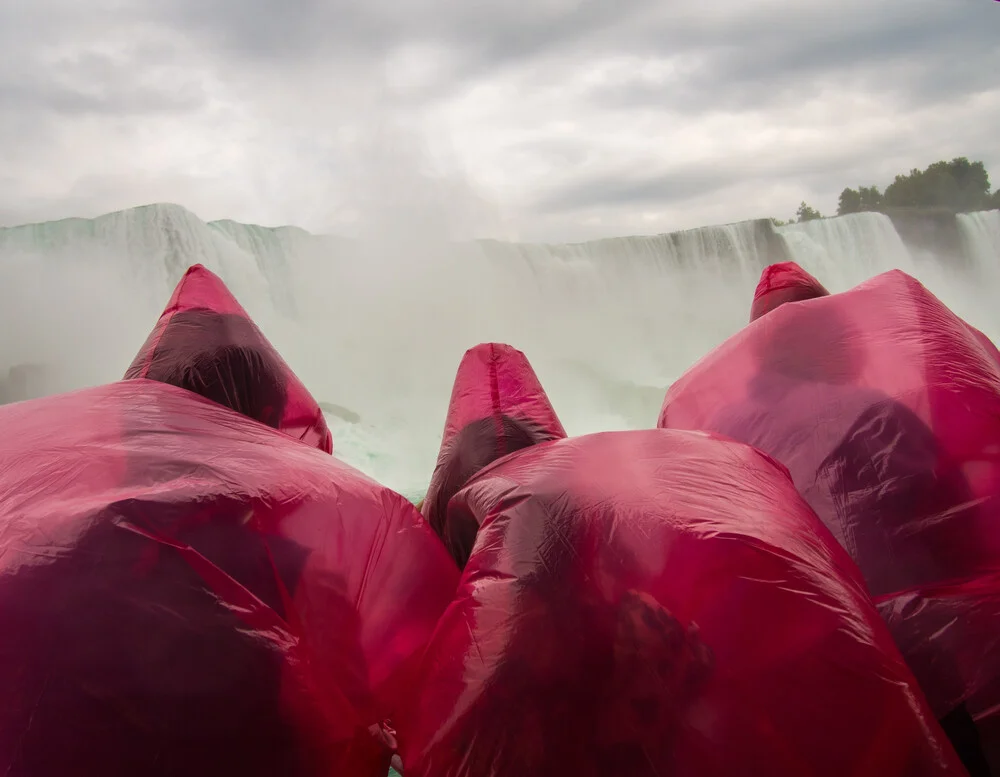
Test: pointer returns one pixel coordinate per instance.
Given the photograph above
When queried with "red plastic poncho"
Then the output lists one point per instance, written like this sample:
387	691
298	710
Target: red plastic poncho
498	406
986	343
207	343
185	592
657	602
783	282
885	408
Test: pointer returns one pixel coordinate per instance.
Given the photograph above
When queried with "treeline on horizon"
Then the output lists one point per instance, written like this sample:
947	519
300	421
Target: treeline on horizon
958	186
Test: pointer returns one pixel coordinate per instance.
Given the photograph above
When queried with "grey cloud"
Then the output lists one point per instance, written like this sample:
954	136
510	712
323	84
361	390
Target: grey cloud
565	152
48	94
290	30
95	195
636	190
52	62
932	56
753	57
746	57
824	171
482	35
513	33
916	53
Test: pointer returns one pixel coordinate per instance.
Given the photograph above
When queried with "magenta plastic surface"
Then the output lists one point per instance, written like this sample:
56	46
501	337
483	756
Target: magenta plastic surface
497	406
780	283
207	343
187	593
660	603
885	407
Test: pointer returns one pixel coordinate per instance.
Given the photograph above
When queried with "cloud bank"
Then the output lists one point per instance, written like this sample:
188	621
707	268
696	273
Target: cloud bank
554	120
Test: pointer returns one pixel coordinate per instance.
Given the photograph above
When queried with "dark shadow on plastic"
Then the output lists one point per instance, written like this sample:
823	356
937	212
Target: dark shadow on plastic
888	469
475	447
122	662
617	672
220	357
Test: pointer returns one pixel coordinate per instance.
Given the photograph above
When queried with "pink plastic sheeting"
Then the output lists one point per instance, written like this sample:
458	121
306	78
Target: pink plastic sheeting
207	343
660	602
184	592
783	282
497	406
885	407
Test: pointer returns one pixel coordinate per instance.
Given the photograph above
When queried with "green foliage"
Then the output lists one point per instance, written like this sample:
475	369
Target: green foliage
864	198
849	202
959	186
871	197
807	213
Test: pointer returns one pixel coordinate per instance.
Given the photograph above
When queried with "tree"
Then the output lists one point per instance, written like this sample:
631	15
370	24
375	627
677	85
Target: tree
850	202
871	198
864	198
807	213
958	185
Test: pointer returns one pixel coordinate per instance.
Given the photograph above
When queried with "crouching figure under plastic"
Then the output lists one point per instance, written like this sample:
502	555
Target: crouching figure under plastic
659	602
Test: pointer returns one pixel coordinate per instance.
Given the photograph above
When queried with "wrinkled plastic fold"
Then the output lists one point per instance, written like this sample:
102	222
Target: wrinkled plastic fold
885	407
186	592
497	406
660	602
207	343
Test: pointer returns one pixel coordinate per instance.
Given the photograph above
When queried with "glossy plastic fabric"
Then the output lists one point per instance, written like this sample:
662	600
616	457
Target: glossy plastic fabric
497	406
987	344
186	593
207	343
885	407
783	282
660	603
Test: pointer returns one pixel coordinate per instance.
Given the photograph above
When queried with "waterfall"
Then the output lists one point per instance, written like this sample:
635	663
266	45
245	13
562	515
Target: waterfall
981	239
379	326
844	251
150	246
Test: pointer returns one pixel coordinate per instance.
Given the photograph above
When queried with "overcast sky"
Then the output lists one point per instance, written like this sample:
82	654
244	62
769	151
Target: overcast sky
548	119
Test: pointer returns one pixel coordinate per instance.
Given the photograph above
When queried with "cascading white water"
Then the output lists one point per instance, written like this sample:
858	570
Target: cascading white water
80	295
276	251
579	289
150	245
606	325
981	237
842	252
379	326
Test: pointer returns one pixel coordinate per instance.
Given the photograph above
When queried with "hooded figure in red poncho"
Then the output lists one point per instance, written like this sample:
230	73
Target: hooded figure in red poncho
207	343
885	407
655	602
788	282
497	407
780	283
188	592
184	592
